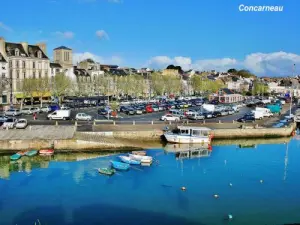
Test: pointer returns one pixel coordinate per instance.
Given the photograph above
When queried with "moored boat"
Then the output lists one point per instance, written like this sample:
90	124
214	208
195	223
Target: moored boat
141	158
142	153
128	160
31	152
46	152
119	165
21	153
15	156
107	171
146	161
186	135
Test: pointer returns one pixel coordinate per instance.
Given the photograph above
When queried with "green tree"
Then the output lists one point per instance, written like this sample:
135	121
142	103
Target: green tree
196	82
260	88
42	88
245	73
232	70
158	84
61	86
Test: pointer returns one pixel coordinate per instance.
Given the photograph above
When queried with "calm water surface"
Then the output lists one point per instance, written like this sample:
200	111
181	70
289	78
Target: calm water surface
62	190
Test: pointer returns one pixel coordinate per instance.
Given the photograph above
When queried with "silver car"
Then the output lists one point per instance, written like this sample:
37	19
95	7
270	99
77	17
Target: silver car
10	123
13	112
21	124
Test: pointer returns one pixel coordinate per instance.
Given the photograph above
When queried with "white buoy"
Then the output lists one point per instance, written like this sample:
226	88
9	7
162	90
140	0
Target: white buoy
183	188
230	184
216	196
230	217
261	181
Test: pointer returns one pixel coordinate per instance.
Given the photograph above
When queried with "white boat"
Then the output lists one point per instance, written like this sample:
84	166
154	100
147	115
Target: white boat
188	135
145	159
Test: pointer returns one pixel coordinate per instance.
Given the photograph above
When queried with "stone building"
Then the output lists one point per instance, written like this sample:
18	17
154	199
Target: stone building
4	81
63	56
24	61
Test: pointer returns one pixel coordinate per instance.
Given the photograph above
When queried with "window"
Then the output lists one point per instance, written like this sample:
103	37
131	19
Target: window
23	64
46	74
10	74
33	75
33	65
39	54
17	64
17	52
18	74
40	74
10	64
24	75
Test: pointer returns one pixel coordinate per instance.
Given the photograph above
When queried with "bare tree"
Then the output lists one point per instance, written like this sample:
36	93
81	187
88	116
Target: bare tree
61	86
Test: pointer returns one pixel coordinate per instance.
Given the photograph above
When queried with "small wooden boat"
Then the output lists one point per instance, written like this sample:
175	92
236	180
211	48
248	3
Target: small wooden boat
128	160
146	159
46	152
142	153
22	153
31	152
119	165
107	171
15	156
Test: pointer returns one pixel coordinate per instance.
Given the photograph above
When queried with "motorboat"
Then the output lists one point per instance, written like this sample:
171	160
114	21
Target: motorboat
46	152
187	135
107	171
142	153
127	159
31	152
15	157
119	165
142	159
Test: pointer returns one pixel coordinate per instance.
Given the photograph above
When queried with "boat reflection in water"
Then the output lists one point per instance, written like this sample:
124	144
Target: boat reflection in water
189	151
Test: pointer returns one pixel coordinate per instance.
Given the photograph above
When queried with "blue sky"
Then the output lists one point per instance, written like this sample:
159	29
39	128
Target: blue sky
196	34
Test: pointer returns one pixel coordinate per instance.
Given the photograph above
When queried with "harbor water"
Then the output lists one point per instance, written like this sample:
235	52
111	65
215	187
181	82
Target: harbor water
256	184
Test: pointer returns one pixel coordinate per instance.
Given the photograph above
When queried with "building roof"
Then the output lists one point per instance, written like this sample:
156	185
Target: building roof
2	59
33	51
80	72
62	47
55	65
11	47
110	66
228	91
118	72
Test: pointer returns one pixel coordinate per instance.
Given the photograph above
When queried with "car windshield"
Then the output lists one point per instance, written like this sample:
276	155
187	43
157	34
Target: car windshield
10	120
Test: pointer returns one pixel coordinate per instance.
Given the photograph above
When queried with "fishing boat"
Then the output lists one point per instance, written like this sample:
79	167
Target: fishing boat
15	156
119	165
31	152
46	152
187	135
22	153
142	159
142	153
107	171
128	160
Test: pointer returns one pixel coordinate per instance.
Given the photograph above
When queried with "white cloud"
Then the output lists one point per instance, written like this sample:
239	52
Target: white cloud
101	34
275	64
77	57
5	27
66	34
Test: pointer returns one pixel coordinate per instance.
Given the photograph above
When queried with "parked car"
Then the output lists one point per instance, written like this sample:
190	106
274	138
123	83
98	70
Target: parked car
102	111
21	124
13	112
170	117
26	111
45	109
246	118
83	116
10	123
59	115
131	111
196	116
207	115
224	113
216	114
3	118
138	110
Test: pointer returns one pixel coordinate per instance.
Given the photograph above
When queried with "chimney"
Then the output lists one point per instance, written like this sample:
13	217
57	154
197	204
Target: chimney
25	46
2	46
43	47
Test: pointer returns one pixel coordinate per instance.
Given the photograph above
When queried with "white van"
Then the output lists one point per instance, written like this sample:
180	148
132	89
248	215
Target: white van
266	112
59	115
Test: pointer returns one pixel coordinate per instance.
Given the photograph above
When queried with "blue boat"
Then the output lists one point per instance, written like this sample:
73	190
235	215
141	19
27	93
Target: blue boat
15	156
119	165
31	153
129	160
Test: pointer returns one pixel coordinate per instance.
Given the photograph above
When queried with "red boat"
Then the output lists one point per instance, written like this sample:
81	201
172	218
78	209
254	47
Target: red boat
46	152
21	153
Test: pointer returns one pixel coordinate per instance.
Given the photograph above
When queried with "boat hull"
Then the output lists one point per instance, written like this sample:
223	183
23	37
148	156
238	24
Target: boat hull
46	152
15	157
129	160
175	138
31	153
141	153
120	166
107	171
141	158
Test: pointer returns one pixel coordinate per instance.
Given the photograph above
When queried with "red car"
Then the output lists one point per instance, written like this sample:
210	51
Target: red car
149	109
